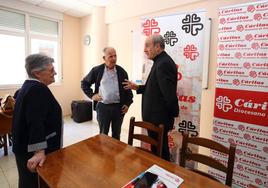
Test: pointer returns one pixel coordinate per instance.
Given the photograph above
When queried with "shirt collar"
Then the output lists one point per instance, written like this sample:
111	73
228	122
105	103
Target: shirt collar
33	79
106	69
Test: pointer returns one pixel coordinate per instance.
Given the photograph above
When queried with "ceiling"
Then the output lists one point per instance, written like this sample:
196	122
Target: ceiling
77	8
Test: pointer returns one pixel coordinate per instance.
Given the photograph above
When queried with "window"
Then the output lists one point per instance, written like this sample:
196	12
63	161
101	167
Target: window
22	34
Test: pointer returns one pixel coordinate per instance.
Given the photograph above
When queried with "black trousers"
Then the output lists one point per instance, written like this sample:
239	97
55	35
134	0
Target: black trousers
110	114
27	179
165	148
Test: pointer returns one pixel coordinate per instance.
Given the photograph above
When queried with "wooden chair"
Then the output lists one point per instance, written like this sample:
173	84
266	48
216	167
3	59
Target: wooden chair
145	138
185	155
5	127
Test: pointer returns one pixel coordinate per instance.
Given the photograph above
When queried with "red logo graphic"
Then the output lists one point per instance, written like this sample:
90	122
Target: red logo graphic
239	152
255	45
241	127
231	141
258	181
249	37
240	28
243	106
221	47
236	82
223	103
240	167
253	74
257	17
247	136
215	129
251	8
219	72
238	55
222	21
150	27
190	52
246	65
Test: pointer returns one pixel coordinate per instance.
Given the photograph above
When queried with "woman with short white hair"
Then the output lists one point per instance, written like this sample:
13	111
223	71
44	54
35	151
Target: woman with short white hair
37	120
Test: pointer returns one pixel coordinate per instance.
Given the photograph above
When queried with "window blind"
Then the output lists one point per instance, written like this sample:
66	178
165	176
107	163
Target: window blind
12	20
43	26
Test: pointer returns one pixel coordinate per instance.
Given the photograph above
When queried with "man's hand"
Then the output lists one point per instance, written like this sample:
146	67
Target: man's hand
96	97
130	85
38	159
124	109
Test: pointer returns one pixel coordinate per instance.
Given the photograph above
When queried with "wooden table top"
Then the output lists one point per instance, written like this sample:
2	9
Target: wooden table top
103	162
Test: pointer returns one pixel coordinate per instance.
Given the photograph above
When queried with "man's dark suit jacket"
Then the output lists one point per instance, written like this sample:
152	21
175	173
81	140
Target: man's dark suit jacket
159	99
94	77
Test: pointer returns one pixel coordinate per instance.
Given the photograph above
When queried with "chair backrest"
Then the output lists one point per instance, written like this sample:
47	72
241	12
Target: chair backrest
207	160
145	138
5	121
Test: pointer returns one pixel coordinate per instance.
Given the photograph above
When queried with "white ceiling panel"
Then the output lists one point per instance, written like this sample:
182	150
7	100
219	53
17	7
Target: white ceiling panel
76	13
53	6
77	8
83	7
34	2
98	2
64	3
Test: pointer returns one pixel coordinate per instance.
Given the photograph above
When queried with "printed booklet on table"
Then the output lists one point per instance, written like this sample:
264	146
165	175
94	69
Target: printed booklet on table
155	177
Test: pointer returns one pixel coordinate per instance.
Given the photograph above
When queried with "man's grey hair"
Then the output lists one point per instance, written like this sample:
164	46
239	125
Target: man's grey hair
36	62
158	39
106	48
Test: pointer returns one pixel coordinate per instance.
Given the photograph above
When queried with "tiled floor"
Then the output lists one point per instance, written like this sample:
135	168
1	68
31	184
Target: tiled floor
73	132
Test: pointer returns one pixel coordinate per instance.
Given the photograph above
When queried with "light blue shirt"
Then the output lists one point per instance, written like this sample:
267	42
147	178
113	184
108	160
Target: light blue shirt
109	88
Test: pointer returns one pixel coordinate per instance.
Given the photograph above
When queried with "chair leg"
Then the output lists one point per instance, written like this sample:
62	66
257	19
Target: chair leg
10	139
5	145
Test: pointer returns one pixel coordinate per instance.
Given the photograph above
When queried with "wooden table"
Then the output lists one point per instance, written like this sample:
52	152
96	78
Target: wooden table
103	162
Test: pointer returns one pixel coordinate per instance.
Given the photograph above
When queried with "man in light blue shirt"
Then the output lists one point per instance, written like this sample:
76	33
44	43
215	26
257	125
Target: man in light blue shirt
109	89
111	101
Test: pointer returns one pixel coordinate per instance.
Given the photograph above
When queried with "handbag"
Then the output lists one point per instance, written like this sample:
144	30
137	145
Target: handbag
7	103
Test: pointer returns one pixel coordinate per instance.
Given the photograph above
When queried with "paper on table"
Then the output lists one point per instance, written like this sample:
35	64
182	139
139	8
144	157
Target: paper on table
165	178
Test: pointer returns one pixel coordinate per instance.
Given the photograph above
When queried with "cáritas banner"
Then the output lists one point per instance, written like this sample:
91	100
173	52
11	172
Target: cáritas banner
241	99
184	35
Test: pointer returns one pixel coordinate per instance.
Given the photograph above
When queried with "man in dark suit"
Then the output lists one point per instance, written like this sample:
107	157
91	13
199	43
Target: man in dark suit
111	100
159	100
